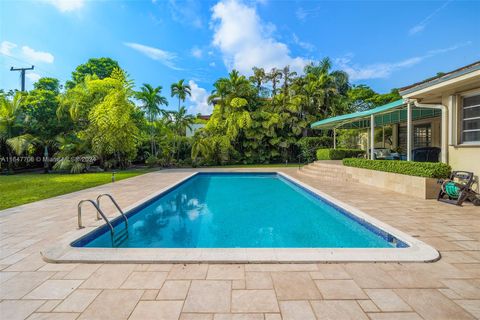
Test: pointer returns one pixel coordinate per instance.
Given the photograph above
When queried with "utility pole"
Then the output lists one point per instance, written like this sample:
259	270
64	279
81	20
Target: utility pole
22	75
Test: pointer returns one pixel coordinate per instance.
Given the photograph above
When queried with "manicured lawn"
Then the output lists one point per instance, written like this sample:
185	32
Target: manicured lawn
29	187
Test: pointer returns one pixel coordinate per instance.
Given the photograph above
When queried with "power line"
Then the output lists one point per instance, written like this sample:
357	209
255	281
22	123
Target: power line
22	75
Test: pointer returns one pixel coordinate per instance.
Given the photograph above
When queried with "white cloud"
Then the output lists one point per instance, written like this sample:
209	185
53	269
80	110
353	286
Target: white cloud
302	44
302	14
165	57
186	12
245	41
212	64
66	5
6	47
198	100
384	70
197	52
32	76
422	24
37	56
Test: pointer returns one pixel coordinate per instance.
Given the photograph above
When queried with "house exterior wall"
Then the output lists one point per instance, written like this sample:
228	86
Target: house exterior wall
460	157
449	93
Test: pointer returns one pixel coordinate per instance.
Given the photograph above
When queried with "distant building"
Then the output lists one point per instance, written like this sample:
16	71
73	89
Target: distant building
202	119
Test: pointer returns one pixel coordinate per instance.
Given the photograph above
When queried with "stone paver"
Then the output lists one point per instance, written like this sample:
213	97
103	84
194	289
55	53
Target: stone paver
338	310
340	289
30	288
54	289
18	309
254	301
145	280
112	304
174	290
387	300
208	296
294	286
296	310
77	301
165	310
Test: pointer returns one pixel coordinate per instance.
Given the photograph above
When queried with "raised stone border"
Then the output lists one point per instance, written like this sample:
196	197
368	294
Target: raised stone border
417	251
419	187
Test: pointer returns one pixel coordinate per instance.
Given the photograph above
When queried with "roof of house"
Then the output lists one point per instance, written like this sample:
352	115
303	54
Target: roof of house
440	78
339	120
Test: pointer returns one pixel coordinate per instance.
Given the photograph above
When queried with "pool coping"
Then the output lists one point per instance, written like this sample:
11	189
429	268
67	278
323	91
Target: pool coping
417	251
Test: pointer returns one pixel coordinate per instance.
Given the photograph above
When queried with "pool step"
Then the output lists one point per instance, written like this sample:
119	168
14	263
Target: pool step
328	172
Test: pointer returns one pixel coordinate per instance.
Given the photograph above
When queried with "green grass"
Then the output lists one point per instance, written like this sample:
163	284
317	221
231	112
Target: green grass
29	187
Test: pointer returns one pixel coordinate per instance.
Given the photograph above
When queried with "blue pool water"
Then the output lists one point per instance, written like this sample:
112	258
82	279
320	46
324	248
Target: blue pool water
246	210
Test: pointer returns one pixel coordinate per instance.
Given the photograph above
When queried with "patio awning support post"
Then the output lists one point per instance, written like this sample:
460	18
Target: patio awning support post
334	138
372	136
383	136
409	131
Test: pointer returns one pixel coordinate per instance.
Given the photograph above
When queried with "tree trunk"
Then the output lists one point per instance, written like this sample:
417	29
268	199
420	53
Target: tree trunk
45	159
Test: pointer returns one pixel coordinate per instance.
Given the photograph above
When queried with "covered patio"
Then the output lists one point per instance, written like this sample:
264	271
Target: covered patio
413	125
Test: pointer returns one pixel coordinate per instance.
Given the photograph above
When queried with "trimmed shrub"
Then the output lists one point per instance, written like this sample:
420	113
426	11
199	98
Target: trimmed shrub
412	168
338	154
309	145
151	161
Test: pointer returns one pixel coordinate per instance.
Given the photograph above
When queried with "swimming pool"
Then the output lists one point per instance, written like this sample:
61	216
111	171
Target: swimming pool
240	210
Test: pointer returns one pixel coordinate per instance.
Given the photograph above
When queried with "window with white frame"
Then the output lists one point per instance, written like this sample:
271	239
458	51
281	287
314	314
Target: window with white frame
471	119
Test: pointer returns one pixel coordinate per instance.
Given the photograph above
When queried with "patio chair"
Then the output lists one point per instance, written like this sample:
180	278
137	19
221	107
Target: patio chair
458	188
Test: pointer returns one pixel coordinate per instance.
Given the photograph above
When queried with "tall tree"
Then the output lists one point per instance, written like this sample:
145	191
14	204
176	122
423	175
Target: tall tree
181	90
101	67
40	105
11	129
181	121
258	78
152	100
274	76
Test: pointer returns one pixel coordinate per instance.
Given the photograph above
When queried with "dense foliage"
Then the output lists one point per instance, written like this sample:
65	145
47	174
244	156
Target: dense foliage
422	169
97	120
338	154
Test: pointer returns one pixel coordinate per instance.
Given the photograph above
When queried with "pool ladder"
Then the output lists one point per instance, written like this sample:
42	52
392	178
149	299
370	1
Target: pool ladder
123	235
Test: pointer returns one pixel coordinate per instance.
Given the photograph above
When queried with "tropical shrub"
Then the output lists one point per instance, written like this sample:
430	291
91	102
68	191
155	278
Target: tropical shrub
309	145
151	161
412	168
338	154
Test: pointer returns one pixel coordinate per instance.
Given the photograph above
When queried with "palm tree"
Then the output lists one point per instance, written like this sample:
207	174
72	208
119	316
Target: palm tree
181	90
258	78
235	86
181	121
152	100
274	76
287	78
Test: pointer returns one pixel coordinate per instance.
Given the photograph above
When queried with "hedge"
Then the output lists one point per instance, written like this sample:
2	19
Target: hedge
412	168
338	154
309	145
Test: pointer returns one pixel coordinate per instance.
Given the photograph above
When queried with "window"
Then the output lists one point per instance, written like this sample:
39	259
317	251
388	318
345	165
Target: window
470	115
422	136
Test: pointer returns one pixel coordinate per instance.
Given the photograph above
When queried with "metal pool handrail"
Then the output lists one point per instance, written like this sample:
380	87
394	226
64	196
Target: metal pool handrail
99	211
116	205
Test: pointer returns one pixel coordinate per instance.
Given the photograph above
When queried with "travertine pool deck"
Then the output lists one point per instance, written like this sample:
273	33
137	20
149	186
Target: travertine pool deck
30	288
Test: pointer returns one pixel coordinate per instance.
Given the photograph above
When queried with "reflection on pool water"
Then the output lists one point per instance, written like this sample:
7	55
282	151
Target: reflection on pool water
246	210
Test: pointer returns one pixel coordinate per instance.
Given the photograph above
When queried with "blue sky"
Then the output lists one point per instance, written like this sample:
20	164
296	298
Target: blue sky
384	44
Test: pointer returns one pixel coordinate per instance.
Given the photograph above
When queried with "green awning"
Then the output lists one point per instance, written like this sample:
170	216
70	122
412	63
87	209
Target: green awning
390	113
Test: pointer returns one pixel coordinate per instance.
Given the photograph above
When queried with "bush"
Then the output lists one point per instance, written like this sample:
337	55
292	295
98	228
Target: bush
338	154
151	161
309	145
412	168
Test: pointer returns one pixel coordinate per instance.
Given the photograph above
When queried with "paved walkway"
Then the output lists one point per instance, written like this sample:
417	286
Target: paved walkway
447	289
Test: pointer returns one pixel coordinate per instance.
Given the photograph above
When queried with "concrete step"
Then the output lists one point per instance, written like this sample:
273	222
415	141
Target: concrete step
327	176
